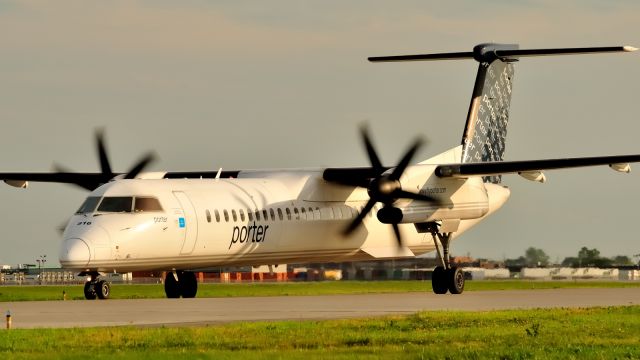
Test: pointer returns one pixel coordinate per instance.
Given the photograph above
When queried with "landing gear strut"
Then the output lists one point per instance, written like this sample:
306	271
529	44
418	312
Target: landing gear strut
180	283
446	277
96	288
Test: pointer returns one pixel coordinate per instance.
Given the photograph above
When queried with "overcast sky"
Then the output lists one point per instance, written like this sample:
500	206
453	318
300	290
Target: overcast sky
279	84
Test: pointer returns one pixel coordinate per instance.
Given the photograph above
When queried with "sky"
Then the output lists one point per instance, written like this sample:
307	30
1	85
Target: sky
285	84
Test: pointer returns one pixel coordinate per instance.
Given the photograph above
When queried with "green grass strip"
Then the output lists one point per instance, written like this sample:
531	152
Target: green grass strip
122	291
594	333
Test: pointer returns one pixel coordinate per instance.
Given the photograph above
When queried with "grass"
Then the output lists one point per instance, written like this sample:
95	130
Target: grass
123	291
594	333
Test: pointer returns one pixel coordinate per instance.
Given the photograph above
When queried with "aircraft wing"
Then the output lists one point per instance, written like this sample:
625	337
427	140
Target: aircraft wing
466	170
87	181
91	180
352	176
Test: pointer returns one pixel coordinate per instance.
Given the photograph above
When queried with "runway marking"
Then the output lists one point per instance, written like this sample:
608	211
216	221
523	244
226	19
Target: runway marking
181	312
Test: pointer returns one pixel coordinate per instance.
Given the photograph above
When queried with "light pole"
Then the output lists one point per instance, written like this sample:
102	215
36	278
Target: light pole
41	260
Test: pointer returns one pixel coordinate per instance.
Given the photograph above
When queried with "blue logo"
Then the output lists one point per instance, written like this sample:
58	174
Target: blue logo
181	222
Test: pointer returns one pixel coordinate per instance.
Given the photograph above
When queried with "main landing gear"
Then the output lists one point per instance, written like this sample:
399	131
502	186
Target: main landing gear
96	288
180	283
446	277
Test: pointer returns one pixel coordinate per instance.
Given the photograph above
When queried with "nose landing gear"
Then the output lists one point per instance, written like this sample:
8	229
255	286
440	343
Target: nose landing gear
180	283
96	288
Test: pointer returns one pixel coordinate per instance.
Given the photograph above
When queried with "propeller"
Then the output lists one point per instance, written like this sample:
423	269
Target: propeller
105	166
384	188
92	181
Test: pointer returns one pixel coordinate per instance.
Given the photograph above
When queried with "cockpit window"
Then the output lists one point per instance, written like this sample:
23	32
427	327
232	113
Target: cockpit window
89	205
147	204
115	204
119	204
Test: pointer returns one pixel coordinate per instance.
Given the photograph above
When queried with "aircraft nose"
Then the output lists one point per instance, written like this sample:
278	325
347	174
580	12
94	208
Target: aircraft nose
75	253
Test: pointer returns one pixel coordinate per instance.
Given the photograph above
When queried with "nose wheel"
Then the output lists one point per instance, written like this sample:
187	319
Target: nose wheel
95	288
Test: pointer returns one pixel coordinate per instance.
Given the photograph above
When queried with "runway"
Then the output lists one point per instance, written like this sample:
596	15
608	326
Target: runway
186	312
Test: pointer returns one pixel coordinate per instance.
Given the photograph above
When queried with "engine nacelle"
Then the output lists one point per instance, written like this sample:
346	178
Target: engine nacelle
460	199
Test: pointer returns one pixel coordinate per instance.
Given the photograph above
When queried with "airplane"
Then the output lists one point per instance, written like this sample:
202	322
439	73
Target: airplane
181	221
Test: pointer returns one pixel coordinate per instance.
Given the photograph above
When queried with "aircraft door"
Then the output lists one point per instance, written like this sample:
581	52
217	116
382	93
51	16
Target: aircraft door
189	222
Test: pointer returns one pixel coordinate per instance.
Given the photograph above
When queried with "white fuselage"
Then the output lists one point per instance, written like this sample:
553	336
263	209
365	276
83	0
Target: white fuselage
264	218
221	222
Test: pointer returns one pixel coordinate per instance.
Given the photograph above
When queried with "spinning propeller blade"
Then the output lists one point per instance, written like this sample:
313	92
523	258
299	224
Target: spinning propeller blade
105	167
93	180
142	163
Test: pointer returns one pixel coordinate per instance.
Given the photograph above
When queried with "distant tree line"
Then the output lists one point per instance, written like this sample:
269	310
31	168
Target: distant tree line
534	257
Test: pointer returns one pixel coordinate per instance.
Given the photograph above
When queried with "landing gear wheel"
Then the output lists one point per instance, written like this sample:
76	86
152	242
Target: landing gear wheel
439	280
102	289
94	287
89	291
171	286
455	280
188	284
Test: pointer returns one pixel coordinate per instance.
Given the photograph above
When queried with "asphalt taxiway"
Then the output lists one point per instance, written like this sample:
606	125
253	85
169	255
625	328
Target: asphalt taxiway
185	312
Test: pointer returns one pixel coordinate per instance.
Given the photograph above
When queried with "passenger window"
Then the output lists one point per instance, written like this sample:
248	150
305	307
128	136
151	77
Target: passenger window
217	213
116	204
316	214
303	214
233	214
226	215
264	214
147	204
250	215
241	215
288	213
280	214
273	215
89	205
258	215
208	215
